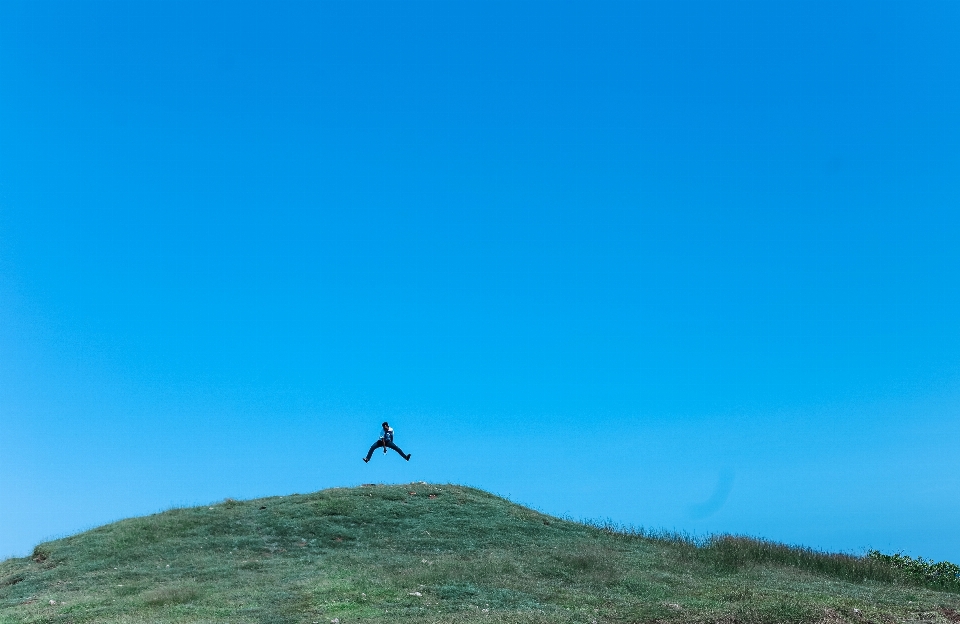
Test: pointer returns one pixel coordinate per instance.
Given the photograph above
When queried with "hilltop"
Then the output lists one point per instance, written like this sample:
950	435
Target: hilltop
437	553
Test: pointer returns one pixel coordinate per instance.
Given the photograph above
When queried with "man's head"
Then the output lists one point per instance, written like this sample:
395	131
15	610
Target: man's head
385	425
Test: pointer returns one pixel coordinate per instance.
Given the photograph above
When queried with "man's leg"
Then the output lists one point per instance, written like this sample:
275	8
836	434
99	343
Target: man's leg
375	446
397	449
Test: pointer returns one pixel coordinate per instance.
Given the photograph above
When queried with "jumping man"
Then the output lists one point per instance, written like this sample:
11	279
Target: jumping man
385	442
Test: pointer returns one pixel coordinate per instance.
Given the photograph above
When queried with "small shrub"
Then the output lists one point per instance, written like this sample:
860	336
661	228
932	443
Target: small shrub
13	579
40	554
943	574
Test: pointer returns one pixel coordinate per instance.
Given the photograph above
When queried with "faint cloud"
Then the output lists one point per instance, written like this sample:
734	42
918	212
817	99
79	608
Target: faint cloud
717	499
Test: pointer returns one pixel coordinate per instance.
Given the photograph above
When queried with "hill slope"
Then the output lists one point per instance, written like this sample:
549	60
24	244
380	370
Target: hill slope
434	553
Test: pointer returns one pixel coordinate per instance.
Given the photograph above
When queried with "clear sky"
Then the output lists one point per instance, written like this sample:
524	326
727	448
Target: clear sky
682	265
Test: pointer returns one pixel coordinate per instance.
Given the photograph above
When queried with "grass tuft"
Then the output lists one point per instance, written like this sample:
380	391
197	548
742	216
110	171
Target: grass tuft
170	596
731	553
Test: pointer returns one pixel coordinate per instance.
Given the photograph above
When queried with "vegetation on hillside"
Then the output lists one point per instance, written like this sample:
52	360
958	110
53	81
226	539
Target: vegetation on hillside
441	553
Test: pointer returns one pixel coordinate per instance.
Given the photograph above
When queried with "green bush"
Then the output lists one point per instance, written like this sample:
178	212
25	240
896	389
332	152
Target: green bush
943	574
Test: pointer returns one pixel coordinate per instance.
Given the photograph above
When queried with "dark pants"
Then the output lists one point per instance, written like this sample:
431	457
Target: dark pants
388	444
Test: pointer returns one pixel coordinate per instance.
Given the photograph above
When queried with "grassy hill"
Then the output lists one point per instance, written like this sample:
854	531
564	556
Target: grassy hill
439	553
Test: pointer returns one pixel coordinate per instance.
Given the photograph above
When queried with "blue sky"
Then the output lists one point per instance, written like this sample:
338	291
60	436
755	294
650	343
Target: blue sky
690	266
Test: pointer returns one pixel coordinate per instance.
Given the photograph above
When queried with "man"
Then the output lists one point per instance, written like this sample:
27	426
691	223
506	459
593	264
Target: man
385	442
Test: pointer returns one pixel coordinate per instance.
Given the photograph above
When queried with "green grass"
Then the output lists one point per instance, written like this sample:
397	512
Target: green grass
440	553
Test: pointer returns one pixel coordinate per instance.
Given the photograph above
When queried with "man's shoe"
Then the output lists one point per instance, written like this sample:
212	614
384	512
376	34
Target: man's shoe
365	460
408	456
